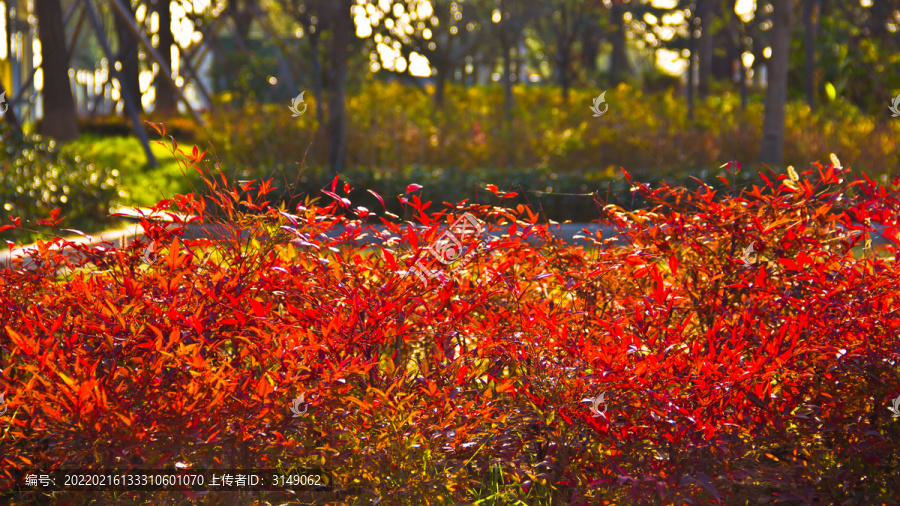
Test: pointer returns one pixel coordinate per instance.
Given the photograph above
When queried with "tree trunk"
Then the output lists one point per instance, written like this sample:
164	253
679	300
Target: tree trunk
60	120
590	45
723	64
507	40
166	101
563	60
508	102
342	28
810	10
440	85
738	45
507	83
444	67
692	58
745	93
318	83
241	17
618	62
563	69
772	149
127	56
129	101
705	49
882	11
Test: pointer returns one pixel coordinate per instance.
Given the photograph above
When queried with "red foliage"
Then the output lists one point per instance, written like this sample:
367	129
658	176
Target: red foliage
723	380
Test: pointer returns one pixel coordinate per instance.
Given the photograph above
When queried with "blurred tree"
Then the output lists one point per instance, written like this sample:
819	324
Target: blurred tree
445	32
59	119
692	59
859	52
726	54
312	16
342	29
561	30
508	20
591	37
772	149
705	13
810	27
241	13
127	55
166	101
328	27
619	65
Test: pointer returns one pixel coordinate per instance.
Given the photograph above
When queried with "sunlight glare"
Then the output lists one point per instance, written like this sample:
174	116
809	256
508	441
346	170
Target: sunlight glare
418	65
745	9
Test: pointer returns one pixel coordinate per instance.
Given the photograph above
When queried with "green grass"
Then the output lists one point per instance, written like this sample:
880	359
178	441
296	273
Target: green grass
144	185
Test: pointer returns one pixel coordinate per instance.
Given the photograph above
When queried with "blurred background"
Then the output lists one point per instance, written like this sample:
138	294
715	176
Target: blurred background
549	98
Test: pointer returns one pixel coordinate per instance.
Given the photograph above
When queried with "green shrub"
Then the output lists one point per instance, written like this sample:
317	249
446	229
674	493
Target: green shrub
391	125
181	128
141	184
38	178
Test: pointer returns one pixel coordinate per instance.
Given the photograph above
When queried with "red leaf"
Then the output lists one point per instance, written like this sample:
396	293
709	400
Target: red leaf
56	323
413	187
461	374
673	264
334	183
627	175
210	438
258	308
788	264
343	201
195	324
377	196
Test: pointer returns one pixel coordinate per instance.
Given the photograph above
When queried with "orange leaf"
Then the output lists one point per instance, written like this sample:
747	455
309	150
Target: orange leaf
69	381
362	404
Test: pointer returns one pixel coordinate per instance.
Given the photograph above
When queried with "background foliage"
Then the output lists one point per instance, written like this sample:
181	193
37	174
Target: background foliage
38	178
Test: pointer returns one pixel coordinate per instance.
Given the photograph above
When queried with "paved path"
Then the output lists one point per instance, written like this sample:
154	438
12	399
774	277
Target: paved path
123	237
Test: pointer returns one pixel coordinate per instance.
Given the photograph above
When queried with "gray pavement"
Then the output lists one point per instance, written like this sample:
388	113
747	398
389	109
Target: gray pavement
121	238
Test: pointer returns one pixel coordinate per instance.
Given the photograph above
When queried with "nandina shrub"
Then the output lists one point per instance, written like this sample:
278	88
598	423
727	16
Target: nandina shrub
726	376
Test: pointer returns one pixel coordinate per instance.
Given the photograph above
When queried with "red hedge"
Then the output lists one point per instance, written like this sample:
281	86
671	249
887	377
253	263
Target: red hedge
723	381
